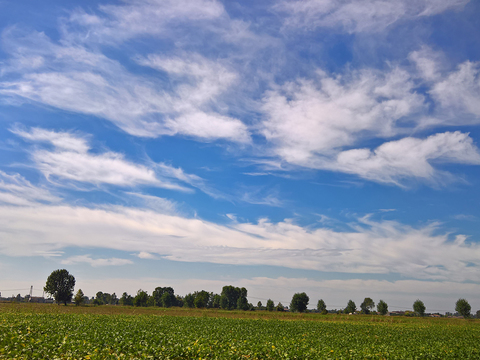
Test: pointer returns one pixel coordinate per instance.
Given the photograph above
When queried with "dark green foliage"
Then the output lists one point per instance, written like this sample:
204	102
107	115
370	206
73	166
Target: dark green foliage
60	285
230	296
299	302
382	307
367	305
419	307
141	299
270	305
126	300
463	307
189	301
280	307
79	297
160	300
202	298
259	305
351	307
321	305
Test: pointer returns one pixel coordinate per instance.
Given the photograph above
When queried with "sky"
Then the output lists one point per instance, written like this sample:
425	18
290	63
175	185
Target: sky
321	146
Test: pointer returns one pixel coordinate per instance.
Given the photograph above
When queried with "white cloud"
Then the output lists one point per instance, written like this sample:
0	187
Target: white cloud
360	16
70	160
408	158
76	79
156	203
78	259
16	190
315	117
383	247
459	91
141	18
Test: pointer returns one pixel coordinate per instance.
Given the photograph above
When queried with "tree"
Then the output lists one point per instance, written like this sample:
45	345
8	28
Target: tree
159	292
299	302
280	307
242	303
230	295
60	285
126	300
351	307
382	307
419	307
478	314
270	305
215	301
79	297
321	305
259	305
141	299
463	308
367	305
189	301
202	299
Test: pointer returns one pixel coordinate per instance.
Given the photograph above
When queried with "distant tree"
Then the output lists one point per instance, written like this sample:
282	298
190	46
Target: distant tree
141	299
18	298
367	305
321	305
60	285
178	301
126	300
382	307
168	300
242	303
463	308
189	301
99	298
478	314
419	307
270	305
215	301
230	295
79	297
159	292
280	307
114	299
202	299
259	305
299	302
351	307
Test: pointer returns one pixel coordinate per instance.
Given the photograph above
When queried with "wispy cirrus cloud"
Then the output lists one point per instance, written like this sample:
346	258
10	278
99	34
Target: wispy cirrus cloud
359	16
79	259
139	18
16	190
71	160
77	79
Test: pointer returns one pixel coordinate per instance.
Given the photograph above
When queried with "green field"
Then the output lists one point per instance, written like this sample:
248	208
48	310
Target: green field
58	332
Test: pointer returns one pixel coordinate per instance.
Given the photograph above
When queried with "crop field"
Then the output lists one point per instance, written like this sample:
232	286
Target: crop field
57	332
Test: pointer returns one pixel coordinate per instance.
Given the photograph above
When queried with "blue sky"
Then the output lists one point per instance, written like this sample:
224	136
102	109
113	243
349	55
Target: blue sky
322	146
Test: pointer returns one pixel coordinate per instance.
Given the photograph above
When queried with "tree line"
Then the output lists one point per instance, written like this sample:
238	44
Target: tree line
60	284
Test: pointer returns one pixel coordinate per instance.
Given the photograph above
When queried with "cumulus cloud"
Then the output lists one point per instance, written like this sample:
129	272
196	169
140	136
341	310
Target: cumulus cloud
359	16
372	247
459	91
408	158
311	117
